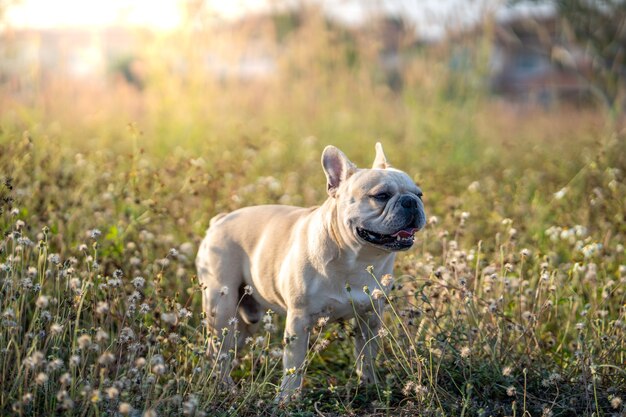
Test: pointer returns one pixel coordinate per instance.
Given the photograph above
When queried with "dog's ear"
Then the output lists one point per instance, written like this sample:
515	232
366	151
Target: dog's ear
380	161
337	168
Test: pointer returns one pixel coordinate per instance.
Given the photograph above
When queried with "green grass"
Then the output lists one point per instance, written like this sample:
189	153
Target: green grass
512	301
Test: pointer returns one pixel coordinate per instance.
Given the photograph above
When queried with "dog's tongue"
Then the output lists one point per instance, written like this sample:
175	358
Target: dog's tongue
405	233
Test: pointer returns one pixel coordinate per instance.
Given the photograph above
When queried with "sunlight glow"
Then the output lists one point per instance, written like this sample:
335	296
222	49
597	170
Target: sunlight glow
154	14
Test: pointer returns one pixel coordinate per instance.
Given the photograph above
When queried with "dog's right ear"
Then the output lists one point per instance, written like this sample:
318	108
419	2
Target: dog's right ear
337	168
380	161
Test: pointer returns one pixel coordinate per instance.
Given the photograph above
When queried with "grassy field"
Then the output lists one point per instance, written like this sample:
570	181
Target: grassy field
511	302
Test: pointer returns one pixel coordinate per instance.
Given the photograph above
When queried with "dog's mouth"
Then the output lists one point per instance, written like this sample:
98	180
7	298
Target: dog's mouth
401	240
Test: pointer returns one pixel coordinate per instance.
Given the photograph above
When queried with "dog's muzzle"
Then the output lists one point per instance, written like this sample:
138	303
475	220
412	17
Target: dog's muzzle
403	238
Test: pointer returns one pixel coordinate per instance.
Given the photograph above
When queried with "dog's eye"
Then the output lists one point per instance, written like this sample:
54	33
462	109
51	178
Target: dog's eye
382	196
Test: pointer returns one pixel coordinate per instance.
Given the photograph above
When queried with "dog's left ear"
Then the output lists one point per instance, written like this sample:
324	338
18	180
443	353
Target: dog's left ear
380	161
337	168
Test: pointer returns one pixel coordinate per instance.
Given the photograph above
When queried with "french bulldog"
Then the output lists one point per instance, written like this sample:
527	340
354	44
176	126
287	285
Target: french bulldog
310	263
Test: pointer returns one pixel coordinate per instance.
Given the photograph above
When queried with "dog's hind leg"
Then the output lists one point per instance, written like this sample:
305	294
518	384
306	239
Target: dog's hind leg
220	281
249	312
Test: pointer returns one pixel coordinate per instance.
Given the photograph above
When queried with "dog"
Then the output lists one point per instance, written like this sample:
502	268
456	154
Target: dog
310	263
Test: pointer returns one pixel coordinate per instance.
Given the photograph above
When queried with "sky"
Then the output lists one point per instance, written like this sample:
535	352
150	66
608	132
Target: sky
430	17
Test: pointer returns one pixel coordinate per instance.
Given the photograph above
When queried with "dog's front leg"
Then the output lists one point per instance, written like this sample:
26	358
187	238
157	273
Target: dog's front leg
367	344
296	343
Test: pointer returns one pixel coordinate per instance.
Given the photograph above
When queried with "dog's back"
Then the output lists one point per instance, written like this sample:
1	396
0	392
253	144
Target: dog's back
225	267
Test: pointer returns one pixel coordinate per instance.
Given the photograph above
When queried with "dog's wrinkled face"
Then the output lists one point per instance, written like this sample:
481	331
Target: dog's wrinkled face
381	206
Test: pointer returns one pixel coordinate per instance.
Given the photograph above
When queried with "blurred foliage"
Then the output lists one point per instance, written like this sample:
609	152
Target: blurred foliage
600	27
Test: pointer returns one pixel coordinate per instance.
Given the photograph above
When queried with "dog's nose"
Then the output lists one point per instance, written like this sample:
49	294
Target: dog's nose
408	202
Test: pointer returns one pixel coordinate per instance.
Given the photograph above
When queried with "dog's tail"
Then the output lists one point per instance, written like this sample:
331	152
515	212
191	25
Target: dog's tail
216	219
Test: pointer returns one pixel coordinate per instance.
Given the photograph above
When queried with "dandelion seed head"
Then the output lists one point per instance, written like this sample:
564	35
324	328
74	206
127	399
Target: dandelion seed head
84	341
387	280
107	358
74	360
169	318
127	335
378	294
322	321
138	282
248	290
75	284
125	408
112	393
102	308
41	378
54	365
616	402
158	369
465	352
65	379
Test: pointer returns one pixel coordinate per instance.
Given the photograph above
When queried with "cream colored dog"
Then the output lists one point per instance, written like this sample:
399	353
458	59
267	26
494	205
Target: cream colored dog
309	263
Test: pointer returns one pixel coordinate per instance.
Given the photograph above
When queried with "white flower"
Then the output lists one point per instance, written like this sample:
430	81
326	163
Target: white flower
84	341
65	379
106	358
125	409
75	284
112	392
561	193
322	321
474	187
102	307
41	378
42	301
387	280
56	329
465	352
169	318
102	336
138	282
377	294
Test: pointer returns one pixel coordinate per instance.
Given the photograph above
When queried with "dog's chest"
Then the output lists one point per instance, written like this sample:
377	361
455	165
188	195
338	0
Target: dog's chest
346	301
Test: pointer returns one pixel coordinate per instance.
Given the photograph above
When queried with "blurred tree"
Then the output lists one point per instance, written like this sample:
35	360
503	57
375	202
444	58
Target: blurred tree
600	27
